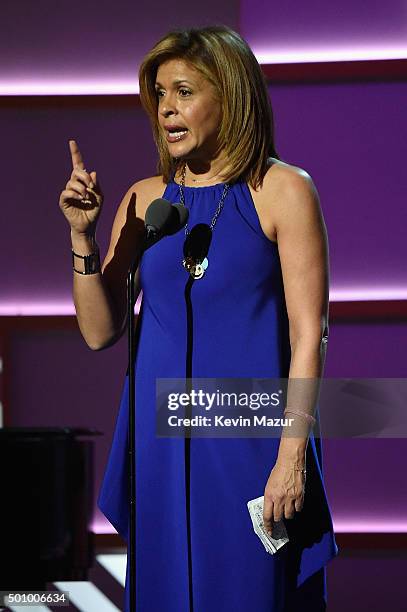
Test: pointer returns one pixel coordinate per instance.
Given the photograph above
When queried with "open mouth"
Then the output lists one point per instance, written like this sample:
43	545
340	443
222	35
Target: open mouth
176	133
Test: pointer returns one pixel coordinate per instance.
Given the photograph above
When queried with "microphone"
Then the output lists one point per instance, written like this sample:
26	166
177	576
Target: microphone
164	219
178	219
157	216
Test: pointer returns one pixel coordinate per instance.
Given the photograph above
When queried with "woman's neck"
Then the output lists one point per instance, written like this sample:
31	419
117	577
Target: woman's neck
205	173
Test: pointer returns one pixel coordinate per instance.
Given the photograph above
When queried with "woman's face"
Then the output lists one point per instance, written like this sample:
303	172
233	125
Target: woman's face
189	112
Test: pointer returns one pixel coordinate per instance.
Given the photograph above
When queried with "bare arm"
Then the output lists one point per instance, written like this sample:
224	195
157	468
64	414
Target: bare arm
303	248
100	299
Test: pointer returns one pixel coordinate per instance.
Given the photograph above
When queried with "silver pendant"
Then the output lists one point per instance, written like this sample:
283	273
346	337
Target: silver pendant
195	268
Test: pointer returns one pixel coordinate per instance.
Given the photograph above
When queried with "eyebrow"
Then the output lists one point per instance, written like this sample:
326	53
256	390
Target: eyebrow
177	82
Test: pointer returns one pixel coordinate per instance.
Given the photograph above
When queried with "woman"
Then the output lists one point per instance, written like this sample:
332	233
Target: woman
260	309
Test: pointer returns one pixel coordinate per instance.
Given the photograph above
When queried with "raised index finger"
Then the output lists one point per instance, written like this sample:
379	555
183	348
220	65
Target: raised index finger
77	161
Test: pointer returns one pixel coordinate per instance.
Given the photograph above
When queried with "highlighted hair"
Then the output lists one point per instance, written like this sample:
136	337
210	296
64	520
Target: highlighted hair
246	133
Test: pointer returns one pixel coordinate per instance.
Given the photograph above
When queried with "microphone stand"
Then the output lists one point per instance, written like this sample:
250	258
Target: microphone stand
132	429
131	343
152	234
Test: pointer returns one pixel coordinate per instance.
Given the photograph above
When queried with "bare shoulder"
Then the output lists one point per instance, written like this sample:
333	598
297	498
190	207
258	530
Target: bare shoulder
145	191
147	184
282	176
287	191
129	218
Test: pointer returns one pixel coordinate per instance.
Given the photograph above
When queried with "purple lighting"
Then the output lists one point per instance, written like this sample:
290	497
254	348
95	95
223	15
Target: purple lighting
352	54
42	309
66	308
342	525
361	294
67	87
370	525
71	86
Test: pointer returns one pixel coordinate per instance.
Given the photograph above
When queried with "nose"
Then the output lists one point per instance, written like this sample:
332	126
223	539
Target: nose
167	105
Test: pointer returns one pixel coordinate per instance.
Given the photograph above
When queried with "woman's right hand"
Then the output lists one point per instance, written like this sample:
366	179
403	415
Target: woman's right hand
81	201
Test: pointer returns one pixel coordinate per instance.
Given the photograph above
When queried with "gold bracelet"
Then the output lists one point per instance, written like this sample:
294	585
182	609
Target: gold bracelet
299	412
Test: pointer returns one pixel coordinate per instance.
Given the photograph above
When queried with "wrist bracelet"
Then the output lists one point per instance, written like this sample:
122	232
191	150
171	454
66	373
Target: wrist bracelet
299	412
91	262
298	469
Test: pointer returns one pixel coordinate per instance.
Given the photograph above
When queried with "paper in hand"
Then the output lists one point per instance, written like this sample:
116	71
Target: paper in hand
279	537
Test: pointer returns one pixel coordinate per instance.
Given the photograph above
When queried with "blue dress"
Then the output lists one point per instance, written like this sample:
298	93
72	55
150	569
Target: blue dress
192	556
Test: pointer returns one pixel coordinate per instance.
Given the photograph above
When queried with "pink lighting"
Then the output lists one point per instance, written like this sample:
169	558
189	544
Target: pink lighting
29	309
370	525
66	308
67	87
361	294
341	525
58	85
42	308
301	56
102	525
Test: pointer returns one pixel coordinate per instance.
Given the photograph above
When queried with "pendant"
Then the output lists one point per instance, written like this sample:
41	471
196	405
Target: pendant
196	247
195	268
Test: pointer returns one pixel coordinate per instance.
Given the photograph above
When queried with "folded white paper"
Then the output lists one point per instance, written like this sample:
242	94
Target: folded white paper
279	537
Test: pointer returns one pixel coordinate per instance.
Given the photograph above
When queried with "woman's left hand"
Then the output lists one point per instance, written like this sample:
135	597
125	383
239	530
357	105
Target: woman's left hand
284	493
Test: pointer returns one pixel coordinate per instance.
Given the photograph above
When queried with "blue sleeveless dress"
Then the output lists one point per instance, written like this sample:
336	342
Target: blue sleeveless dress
208	557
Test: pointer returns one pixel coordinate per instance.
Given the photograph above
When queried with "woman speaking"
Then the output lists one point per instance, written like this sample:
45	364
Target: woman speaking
259	298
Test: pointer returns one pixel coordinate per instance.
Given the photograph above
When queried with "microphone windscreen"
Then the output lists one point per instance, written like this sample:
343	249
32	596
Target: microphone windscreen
158	214
179	217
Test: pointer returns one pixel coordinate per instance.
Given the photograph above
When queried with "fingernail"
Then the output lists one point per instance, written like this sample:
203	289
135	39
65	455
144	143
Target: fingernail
91	185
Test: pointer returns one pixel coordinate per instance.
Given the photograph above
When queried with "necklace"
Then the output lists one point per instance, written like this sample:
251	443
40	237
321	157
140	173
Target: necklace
205	179
196	265
208	178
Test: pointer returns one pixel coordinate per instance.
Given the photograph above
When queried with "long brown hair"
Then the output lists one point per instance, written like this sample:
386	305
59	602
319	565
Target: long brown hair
226	61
